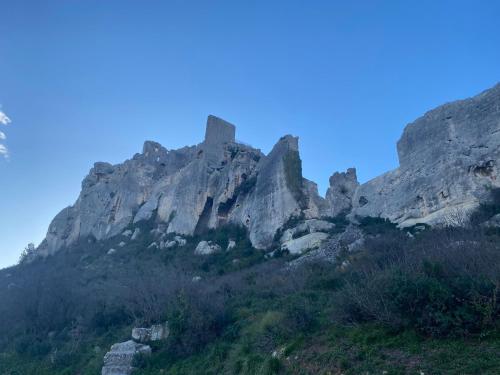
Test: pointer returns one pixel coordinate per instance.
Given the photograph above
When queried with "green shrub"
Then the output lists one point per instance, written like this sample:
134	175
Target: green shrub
108	317
340	221
376	225
32	346
273	366
195	318
444	284
141	361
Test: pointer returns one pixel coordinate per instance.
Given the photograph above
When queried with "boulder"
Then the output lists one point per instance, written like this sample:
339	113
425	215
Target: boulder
308	226
315	225
118	361
206	248
287	235
180	241
304	243
231	245
127	233
352	239
177	241
170	244
136	234
154	333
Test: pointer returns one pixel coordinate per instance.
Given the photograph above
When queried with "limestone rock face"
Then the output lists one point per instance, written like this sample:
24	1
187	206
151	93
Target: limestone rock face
271	202
118	361
449	160
190	190
111	196
339	195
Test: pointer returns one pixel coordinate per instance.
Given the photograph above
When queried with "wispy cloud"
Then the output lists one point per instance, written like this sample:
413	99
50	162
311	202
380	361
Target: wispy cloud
4	120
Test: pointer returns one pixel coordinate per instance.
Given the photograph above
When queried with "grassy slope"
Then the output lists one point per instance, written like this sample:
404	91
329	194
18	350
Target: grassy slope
364	349
329	348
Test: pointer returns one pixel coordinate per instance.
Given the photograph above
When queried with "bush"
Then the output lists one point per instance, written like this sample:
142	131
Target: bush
106	318
273	366
195	318
376	225
340	222
32	346
445	283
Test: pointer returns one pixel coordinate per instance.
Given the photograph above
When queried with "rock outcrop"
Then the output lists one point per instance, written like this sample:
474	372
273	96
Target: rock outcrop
156	332
339	195
190	190
448	161
350	239
118	361
207	248
307	227
302	244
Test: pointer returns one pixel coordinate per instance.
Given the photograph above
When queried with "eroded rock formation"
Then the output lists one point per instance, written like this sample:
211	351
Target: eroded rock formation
339	195
191	190
448	162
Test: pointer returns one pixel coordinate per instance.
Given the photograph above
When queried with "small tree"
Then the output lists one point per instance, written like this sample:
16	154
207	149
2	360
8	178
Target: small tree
28	253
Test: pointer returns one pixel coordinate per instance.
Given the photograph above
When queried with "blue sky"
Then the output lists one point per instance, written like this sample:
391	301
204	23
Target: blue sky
85	81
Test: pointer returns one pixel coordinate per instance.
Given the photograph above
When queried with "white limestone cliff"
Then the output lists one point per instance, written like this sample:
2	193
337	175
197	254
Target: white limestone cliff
448	161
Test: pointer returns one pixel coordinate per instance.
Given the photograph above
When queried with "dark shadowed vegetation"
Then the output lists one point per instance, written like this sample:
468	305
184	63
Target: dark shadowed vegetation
414	300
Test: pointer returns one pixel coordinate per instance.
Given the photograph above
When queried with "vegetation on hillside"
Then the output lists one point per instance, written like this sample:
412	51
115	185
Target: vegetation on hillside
420	300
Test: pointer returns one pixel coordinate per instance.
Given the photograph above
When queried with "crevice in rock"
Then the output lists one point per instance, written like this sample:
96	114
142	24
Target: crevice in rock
202	224
362	201
485	169
225	207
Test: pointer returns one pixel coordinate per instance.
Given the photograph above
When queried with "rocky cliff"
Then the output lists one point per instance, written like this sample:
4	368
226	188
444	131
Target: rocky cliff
448	163
190	190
